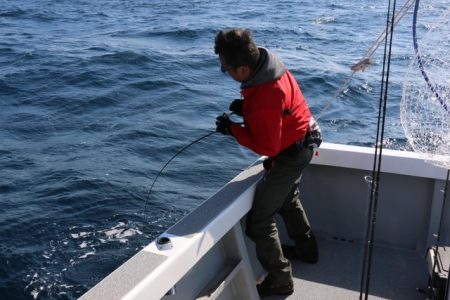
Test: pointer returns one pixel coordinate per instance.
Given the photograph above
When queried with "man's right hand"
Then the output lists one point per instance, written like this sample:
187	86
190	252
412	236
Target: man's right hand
236	106
223	124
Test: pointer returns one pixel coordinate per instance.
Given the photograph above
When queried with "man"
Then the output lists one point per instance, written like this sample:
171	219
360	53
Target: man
277	123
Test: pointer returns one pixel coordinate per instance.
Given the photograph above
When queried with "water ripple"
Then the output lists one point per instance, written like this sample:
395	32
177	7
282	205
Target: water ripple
97	95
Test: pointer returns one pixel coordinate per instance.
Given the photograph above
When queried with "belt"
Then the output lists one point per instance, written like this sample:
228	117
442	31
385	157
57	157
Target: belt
293	150
312	139
296	147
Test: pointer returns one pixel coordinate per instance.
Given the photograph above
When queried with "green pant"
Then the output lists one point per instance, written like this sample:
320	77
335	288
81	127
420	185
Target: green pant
277	192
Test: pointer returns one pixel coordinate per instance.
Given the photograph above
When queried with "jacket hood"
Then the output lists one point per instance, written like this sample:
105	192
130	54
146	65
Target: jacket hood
269	68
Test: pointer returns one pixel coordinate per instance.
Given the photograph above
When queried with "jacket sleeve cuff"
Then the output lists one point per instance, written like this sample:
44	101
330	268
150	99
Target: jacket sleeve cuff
233	128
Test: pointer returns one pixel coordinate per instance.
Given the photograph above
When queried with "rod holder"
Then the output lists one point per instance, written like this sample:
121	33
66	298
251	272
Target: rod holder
164	243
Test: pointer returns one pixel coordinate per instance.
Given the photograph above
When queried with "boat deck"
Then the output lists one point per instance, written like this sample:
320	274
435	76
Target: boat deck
395	274
211	257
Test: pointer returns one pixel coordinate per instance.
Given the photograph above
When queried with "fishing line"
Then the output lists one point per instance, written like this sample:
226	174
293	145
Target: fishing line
166	164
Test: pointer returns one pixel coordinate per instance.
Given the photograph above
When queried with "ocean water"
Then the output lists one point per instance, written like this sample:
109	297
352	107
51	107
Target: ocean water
95	96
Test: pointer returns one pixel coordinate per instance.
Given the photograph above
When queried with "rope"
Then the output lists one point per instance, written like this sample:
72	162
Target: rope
443	102
373	204
398	16
366	61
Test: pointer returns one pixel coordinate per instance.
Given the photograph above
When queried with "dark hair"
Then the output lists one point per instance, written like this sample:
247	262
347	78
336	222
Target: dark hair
237	48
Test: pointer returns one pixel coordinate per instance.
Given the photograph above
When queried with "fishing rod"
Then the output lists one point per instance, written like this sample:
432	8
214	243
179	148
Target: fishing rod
168	162
432	292
378	155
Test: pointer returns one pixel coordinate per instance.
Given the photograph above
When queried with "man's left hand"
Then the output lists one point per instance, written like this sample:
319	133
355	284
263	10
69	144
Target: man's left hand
236	106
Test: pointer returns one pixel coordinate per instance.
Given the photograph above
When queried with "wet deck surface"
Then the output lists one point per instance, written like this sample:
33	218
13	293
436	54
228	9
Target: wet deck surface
395	274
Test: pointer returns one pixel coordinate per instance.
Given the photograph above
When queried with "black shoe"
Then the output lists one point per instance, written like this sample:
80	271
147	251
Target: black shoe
305	250
267	288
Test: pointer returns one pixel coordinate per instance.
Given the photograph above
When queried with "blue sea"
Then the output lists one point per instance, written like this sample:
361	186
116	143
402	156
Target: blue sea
95	96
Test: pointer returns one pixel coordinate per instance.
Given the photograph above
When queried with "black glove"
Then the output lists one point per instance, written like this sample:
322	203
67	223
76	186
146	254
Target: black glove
223	123
236	106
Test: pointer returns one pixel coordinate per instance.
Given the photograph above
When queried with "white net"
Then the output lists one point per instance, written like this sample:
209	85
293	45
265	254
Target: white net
425	105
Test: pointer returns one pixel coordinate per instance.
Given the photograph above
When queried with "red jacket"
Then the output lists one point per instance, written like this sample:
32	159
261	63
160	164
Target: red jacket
275	114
